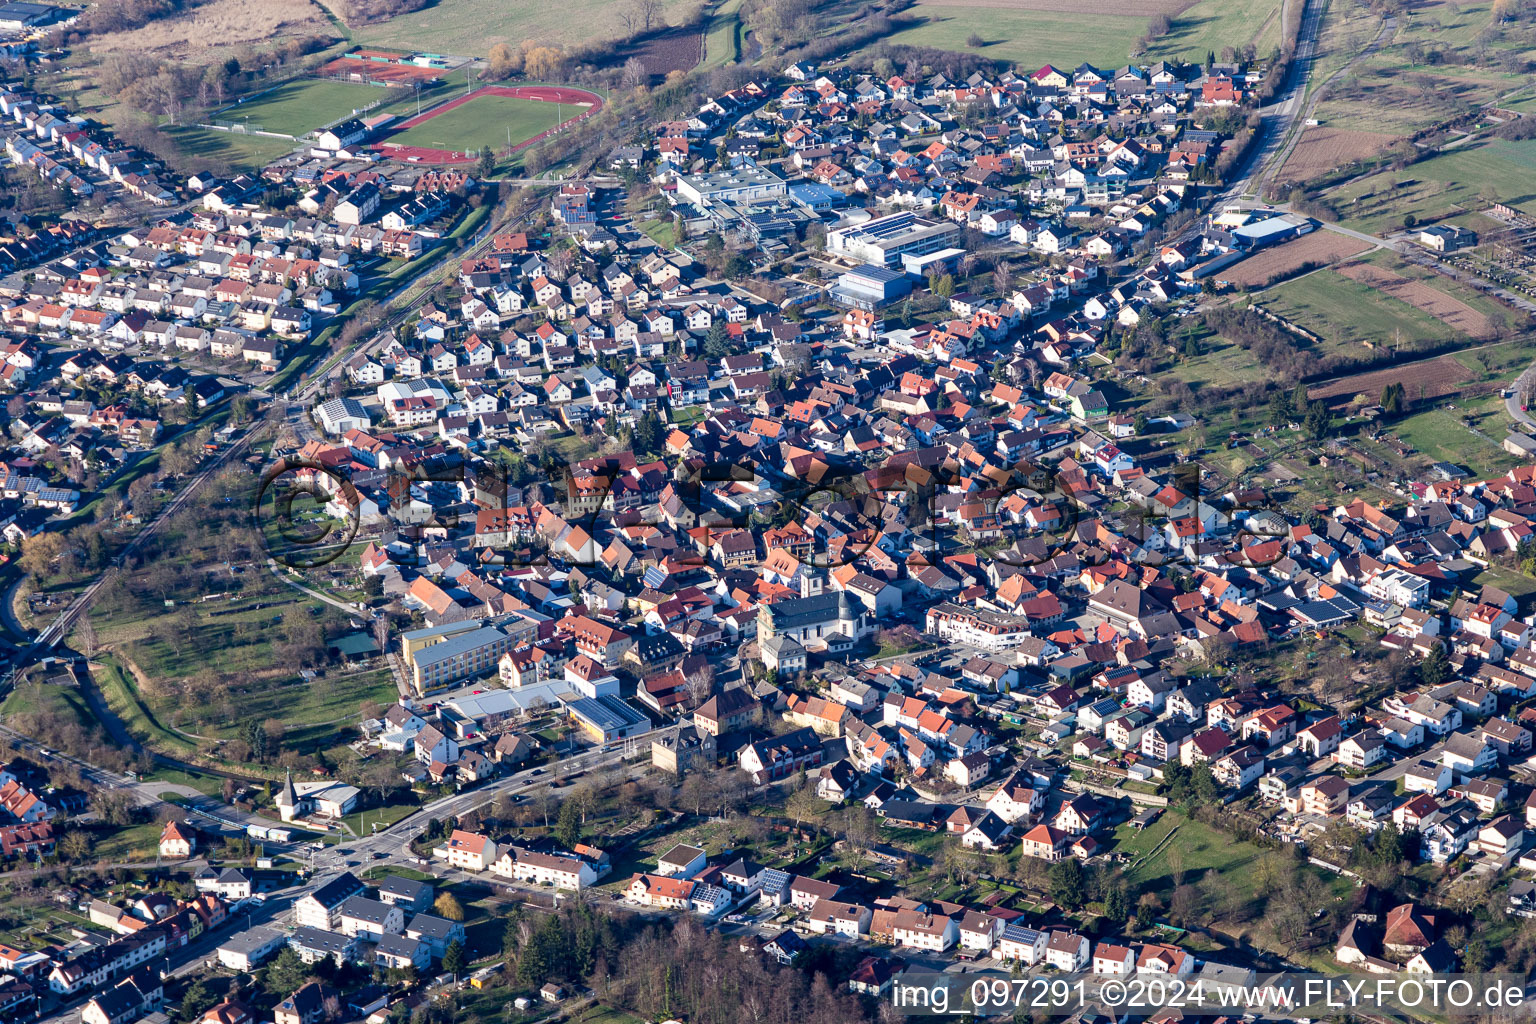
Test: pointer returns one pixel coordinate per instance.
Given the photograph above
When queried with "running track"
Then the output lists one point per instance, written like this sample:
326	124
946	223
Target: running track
541	93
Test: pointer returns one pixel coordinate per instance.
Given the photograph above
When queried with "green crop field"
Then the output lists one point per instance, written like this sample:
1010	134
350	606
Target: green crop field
303	105
486	121
1028	38
1210	25
1031	38
472	27
1343	311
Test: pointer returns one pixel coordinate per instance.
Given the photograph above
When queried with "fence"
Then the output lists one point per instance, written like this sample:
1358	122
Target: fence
244	128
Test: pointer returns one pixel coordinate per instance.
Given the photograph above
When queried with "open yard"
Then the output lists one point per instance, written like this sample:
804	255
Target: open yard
1316	249
301	105
472	27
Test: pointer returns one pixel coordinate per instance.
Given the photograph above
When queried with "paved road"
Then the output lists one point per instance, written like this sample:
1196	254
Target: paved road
1277	119
1512	406
1306	53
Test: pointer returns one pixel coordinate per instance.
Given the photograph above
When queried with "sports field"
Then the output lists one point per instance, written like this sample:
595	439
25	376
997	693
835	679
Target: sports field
484	121
500	117
303	105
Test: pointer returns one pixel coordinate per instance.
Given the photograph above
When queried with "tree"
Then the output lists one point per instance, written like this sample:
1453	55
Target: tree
199	996
717	340
75	845
974	41
1069	886
504	61
453	957
648	11
944	287
544	62
85	634
485	166
286	972
1392	398
736	266
803	803
568	826
1116	907
1318	420
448	907
634	73
1435	667
38	553
648	432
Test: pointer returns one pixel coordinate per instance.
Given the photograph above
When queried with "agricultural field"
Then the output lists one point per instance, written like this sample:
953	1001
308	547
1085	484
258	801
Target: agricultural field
1210	25
1046	32
1422	380
1442	58
207	32
472	27
1318	248
677	49
1035	32
1322	149
1464	432
1446	185
486	120
1347	313
1455	314
302	105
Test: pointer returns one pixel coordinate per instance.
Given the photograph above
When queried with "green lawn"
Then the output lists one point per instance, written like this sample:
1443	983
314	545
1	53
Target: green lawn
62	704
362	822
1440	435
486	121
1196	849
302	105
722	43
662	232
243	152
1516	584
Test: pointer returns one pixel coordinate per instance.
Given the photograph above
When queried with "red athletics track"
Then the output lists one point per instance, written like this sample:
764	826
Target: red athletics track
541	93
